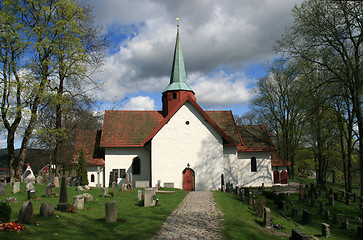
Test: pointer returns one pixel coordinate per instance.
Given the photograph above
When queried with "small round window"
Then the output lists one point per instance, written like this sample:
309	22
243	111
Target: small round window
187	122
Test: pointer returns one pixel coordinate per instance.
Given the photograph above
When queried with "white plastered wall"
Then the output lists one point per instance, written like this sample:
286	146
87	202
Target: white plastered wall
231	168
264	174
121	158
93	170
196	143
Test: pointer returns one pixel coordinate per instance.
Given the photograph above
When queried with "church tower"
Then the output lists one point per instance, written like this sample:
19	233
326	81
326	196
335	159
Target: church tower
178	89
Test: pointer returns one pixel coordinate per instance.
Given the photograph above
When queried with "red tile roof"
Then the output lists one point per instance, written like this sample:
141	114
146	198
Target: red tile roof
255	138
278	161
225	120
89	141
128	128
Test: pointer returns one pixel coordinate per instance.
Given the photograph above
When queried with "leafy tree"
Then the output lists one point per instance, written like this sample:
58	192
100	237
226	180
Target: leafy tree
331	30
82	168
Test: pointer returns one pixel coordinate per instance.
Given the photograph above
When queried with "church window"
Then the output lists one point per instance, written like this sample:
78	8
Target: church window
174	95
92	178
136	166
253	164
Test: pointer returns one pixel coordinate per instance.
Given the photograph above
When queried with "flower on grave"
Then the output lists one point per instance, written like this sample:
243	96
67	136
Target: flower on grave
71	210
38	199
11	227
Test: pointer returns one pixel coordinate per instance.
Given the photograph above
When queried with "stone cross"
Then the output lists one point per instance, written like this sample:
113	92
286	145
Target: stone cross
111	212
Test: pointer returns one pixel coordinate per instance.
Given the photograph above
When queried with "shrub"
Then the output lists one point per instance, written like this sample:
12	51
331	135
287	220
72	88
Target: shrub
269	194
281	197
111	193
82	168
5	212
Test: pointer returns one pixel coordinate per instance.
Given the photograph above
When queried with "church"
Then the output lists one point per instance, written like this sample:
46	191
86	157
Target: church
181	146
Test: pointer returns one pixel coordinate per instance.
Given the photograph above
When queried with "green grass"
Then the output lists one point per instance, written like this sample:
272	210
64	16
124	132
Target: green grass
241	222
133	222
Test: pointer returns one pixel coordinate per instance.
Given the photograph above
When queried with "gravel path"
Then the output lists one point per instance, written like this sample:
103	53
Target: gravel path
197	217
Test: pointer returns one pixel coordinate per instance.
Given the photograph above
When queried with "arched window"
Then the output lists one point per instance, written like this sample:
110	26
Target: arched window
92	178
136	166
253	164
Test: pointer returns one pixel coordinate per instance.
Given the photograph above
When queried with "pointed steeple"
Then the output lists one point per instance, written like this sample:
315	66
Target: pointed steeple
178	79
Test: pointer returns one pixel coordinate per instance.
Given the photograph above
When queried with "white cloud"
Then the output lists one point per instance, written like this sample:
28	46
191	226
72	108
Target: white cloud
229	35
140	103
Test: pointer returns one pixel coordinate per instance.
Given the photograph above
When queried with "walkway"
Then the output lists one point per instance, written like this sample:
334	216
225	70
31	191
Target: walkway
197	217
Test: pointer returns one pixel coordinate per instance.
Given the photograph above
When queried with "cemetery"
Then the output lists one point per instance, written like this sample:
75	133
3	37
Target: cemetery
43	211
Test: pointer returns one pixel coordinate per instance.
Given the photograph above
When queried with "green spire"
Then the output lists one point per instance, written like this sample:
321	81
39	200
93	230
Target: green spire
178	79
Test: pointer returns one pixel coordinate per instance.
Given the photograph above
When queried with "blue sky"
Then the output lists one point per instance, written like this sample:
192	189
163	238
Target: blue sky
225	46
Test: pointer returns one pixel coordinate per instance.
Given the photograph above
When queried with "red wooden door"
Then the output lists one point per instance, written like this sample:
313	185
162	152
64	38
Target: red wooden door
188	180
276	177
283	177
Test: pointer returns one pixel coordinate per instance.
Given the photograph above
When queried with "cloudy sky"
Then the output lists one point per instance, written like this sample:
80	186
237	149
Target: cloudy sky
225	44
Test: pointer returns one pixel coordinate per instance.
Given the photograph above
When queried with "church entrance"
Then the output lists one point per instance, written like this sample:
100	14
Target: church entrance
276	177
188	179
283	177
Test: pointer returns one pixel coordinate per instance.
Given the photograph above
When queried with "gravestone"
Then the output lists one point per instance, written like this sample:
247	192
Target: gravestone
325	230
142	184
104	192
63	204
28	187
111	212
313	203
16	187
88	197
86	187
11	200
283	205
40	180
50	190
237	190
267	217
80	188
56	182
26	213
158	183
2	189
263	187
331	201
306	217
321	209
294	212
298	235
345	224
169	185
149	197
78	201
139	195
242	194
31	194
250	198
70	181
348	201
114	187
301	193
222	182
336	196
46	209
336	219
327	214
360	232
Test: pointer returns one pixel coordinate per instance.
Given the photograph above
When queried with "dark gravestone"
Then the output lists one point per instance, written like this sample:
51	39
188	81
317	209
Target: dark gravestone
31	194
301	193
336	219
63	204
242	194
111	212
313	203
283	205
26	213
222	182
360	233
306	217
2	189
237	190
325	230
263	187
321	209
348	201
46	209
345	224
331	201
298	235
294	212
327	215
336	196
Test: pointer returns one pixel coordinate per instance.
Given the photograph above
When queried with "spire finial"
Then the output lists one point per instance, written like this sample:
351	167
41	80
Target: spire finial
177	23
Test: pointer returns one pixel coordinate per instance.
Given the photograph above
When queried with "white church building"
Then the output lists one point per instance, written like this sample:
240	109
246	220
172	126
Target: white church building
181	145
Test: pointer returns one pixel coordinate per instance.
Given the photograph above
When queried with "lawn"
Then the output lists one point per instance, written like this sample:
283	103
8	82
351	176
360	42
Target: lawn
241	222
133	222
